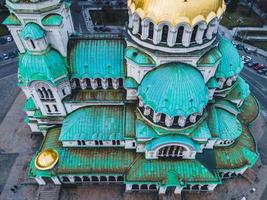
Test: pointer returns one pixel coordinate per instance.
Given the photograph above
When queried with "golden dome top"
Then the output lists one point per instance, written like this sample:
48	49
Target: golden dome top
46	159
178	11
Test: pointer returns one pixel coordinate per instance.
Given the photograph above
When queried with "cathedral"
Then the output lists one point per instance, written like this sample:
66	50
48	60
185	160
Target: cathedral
160	107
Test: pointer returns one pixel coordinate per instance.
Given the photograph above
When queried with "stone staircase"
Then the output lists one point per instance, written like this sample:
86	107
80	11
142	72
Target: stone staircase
48	192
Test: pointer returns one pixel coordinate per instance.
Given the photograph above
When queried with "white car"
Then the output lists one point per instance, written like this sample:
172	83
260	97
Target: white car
9	39
246	59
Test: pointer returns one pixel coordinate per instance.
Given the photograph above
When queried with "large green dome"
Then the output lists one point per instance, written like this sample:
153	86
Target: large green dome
175	89
231	63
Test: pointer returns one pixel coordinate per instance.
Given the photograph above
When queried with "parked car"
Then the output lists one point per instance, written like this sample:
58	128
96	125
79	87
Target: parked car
251	64
258	66
12	54
9	39
248	50
5	56
240	47
246	59
262	71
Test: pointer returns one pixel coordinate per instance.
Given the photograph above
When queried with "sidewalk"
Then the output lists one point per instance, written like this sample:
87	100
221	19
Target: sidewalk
15	139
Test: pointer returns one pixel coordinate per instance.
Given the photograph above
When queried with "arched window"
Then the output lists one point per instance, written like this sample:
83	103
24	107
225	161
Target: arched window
135	187
151	30
165	32
48	108
65	179
172	151
79	143
40	93
144	187
194	33
180	33
32	43
86	179
103	178
120	178
140	27
55	108
153	187
50	93
45	93
77	179
111	178
195	187
94	178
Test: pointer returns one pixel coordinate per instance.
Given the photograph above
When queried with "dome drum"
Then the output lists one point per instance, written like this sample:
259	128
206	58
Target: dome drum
167	121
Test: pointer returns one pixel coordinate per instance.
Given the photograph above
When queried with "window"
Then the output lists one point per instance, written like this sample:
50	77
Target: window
153	187
55	108
194	33
120	178
94	178
77	179
48	108
32	43
100	142
140	27
135	187
79	143
51	96
133	144
111	179
180	35
118	142
165	32
151	31
45	93
113	142
65	179
96	142
103	178
144	187
86	179
63	92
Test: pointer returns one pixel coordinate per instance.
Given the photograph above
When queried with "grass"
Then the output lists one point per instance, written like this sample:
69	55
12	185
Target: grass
3	28
231	19
112	17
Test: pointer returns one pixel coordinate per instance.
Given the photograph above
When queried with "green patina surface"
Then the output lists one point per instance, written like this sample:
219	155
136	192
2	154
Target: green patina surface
109	62
38	114
96	96
202	132
49	66
231	63
29	105
12	20
170	140
169	89
95	123
130	83
144	131
250	110
227	105
223	124
139	57
33	31
210	59
239	91
130	117
52	20
213	83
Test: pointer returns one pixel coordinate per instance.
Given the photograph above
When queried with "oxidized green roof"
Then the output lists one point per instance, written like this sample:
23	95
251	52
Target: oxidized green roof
239	91
223	124
97	58
175	89
210	58
172	139
52	20
227	105
139	57
231	63
38	114
96	96
33	31
242	153
29	105
130	83
144	131
95	123
120	161
49	66
202	132
11	20
212	83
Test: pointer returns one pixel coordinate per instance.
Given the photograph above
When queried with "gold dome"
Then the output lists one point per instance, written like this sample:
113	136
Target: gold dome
178	11
47	159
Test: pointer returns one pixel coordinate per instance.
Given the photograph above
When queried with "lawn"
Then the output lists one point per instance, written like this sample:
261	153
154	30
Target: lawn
231	19
3	28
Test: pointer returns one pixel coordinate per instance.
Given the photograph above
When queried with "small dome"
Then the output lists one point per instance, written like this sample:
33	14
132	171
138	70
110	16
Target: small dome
178	11
175	89
33	31
49	66
231	63
139	57
46	160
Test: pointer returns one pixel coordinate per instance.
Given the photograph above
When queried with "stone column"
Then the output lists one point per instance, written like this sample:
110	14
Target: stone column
193	118
211	30
147	111
40	180
56	180
200	34
229	82
94	84
145	30
172	37
156	117
83	84
169	121
130	23
221	82
157	34
141	103
104	83
186	37
136	21
115	83
181	121
73	84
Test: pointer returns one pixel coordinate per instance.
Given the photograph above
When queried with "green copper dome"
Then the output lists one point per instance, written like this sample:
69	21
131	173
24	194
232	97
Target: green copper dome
52	20
240	90
175	89
139	57
49	66
33	31
231	63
